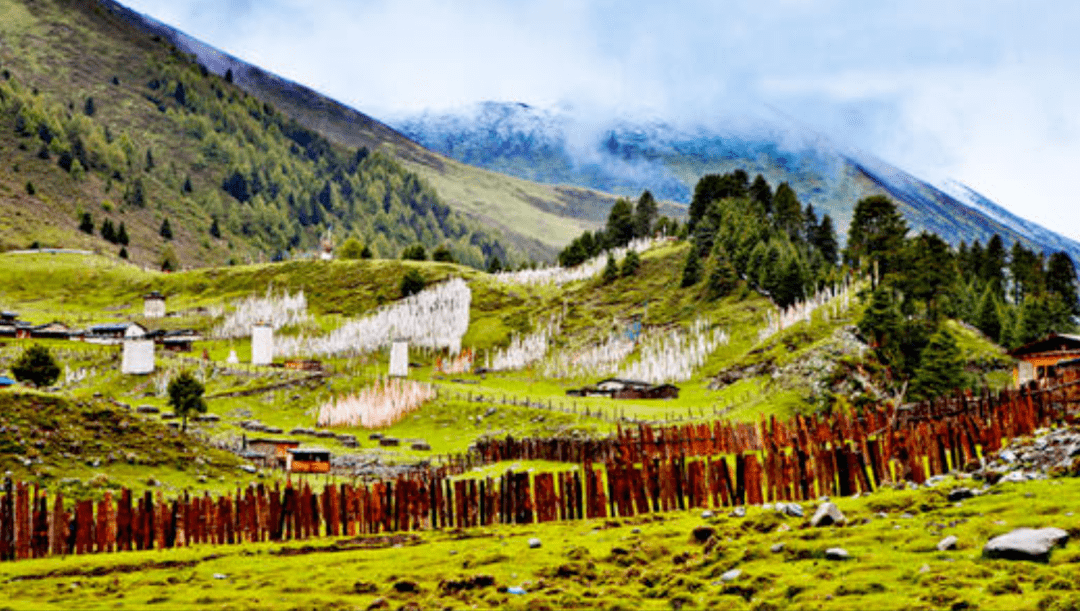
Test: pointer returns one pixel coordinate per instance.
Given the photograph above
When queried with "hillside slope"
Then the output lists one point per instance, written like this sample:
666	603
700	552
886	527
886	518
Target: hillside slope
627	156
539	218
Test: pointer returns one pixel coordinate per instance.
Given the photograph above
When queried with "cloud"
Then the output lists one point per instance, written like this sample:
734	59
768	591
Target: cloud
977	90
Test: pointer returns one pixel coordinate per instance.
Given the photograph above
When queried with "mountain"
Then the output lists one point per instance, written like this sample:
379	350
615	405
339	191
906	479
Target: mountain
627	156
538	219
109	117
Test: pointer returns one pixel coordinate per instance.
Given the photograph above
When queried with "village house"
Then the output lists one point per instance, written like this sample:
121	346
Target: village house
617	388
52	330
1039	361
115	333
308	460
178	340
275	451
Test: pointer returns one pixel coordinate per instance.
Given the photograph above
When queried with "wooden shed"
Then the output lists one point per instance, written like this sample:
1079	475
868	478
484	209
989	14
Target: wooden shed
1038	360
276	450
308	460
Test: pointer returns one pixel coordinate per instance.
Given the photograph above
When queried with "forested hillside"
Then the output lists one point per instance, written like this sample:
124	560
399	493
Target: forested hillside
104	130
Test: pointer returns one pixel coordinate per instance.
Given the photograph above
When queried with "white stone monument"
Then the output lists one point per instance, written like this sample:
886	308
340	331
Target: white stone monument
262	344
399	358
138	357
154	305
232	360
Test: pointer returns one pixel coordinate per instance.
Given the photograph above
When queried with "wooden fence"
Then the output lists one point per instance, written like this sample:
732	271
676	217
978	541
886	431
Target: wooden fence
636	471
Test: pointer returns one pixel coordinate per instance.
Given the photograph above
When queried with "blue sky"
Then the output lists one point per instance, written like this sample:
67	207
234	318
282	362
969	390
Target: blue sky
985	92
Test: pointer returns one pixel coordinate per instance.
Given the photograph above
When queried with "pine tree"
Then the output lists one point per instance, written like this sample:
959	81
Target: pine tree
941	368
876	235
631	263
722	279
692	270
149	160
123	253
121	235
215	230
611	270
987	318
620	223
992	266
645	215
88	107
108	232
86	225
761	193
1061	280
166	230
787	212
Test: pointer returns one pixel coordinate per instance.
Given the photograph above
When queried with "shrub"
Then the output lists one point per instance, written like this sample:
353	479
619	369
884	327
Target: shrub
412	282
37	366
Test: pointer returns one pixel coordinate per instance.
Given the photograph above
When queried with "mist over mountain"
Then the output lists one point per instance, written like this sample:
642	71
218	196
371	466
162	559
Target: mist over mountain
626	156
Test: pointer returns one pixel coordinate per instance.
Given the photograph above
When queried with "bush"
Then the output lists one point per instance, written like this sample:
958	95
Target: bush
37	366
414	253
630	263
412	283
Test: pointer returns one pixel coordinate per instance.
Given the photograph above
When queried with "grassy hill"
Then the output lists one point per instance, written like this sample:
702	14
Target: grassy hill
106	119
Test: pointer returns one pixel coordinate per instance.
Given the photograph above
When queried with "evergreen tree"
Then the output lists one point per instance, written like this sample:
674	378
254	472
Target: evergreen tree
166	230
1061	281
1034	321
876	235
941	368
86	225
416	252
123	253
825	240
187	188
880	323
495	265
787	212
611	270
631	263
122	235
1026	270
169	262
992	266
412	283
37	366
692	270
442	254
135	195
366	252
215	230
761	193
149	160
620	223
645	215
108	232
987	319
722	279
88	107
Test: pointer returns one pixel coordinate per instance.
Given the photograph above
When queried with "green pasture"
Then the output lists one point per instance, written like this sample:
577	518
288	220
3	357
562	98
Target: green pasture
645	562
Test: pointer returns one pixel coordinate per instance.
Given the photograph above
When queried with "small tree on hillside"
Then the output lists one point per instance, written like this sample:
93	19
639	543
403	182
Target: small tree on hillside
442	254
121	235
630	264
412	282
37	366
611	270
692	270
350	249
86	225
941	369
186	396
166	230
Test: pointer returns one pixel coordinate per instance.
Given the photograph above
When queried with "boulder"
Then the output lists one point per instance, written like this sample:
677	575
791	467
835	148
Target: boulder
947	543
826	514
837	553
387	442
421	446
960	494
701	534
777	548
731	575
1026	544
534	543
